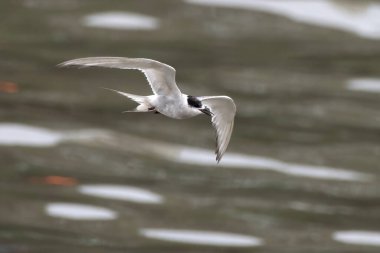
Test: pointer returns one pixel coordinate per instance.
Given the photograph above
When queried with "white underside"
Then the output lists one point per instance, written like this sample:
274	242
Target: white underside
173	107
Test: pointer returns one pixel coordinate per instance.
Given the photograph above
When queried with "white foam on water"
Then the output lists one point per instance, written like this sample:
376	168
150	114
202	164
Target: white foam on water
121	192
24	135
202	237
358	237
206	158
325	13
79	211
364	84
121	20
12	134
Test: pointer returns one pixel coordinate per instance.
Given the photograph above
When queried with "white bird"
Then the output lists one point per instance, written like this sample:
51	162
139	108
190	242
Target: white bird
168	99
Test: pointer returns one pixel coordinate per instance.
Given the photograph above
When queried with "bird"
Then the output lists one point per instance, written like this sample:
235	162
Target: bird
167	99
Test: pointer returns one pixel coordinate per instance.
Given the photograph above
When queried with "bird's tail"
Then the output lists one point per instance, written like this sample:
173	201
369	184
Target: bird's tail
144	105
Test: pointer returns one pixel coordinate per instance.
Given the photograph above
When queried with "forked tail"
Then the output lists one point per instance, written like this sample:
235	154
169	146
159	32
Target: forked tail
144	105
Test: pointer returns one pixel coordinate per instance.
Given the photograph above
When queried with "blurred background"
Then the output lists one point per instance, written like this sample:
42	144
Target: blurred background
301	173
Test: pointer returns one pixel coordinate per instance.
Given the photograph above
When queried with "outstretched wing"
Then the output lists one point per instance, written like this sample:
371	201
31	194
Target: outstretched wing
160	76
223	111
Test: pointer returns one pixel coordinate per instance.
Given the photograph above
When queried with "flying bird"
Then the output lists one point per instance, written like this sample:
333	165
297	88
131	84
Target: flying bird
167	99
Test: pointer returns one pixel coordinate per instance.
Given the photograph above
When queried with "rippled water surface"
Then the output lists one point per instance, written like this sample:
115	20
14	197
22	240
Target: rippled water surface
301	173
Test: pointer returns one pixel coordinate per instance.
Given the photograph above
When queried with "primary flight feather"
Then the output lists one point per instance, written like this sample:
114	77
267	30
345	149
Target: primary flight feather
167	99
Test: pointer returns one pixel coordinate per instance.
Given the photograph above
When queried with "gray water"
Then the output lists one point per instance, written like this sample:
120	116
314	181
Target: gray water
301	173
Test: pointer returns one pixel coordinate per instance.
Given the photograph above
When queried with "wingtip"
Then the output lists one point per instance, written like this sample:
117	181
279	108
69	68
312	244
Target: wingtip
64	64
61	65
75	62
218	157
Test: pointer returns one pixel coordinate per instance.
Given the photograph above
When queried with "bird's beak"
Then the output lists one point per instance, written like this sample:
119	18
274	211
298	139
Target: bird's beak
206	111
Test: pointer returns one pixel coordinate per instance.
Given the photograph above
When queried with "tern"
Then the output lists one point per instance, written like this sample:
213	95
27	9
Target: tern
167	99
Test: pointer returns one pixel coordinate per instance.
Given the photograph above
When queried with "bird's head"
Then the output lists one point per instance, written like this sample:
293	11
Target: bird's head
195	103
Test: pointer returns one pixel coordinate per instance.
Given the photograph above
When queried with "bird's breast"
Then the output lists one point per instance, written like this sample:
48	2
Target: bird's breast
178	112
174	108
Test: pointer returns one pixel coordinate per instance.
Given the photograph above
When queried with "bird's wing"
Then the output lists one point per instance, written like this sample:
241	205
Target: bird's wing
223	111
160	76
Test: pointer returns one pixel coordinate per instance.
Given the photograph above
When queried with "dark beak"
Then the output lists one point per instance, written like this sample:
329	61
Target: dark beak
206	111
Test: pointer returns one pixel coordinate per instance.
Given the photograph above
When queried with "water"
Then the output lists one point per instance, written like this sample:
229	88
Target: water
12	134
202	237
79	212
301	173
358	237
122	192
121	20
364	84
363	22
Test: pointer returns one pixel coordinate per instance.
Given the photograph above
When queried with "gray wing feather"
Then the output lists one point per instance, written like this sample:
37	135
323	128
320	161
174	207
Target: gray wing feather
160	76
223	111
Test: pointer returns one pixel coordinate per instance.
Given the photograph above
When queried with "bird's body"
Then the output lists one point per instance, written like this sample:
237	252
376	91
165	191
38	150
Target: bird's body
168	99
173	107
